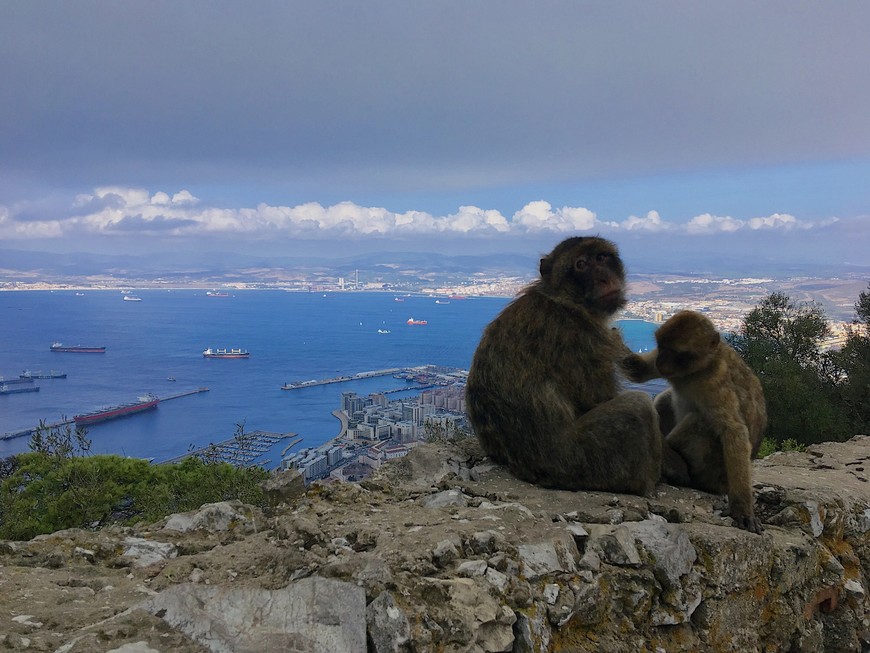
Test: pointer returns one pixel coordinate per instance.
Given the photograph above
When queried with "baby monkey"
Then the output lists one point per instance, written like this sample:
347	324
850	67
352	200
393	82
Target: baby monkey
712	416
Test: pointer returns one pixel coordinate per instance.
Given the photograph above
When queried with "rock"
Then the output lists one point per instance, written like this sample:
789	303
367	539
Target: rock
315	615
465	558
214	517
143	553
284	486
388	628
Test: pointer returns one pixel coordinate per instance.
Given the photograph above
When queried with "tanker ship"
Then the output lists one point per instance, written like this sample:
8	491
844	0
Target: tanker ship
145	402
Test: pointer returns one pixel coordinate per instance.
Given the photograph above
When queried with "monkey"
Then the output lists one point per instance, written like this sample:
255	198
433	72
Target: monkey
543	393
713	414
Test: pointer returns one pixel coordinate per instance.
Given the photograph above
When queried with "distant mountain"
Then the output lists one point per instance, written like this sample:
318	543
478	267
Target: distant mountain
228	266
47	266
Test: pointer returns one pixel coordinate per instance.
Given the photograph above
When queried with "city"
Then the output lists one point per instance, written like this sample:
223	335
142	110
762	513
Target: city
375	429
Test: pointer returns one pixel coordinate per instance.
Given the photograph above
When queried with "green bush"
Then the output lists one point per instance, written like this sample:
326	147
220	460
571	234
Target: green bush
49	489
769	446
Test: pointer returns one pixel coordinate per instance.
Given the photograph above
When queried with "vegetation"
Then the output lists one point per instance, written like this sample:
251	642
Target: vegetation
58	485
813	395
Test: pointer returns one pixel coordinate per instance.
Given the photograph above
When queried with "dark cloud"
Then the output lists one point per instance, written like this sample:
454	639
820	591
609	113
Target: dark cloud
335	97
96	203
157	223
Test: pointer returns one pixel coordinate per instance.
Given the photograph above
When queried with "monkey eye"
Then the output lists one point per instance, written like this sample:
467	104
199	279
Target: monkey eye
603	257
581	263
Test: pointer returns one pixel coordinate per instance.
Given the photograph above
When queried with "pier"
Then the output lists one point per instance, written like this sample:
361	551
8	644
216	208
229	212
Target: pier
340	379
53	425
295	385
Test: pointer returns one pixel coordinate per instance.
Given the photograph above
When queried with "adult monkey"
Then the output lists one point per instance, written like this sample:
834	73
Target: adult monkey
543	394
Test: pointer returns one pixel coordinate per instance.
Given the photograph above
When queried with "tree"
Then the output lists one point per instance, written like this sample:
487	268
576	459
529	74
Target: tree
780	340
853	362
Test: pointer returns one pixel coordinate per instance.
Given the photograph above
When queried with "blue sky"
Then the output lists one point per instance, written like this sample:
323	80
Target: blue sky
329	127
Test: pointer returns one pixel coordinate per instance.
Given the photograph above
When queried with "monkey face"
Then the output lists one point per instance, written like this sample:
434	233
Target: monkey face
686	343
587	271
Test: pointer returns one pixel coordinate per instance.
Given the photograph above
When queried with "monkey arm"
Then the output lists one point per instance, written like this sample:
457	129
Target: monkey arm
641	367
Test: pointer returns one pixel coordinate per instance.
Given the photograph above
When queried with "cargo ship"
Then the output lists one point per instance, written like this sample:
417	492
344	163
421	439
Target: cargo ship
216	293
15	388
226	353
145	402
19	381
79	349
52	374
411	320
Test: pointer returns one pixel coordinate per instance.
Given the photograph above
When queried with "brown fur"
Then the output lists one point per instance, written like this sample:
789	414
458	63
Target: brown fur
542	393
712	416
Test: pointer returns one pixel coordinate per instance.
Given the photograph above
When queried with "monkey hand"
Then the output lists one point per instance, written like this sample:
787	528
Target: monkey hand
638	369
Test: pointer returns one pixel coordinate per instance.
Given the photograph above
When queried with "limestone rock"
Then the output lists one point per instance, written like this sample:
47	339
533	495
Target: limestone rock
443	551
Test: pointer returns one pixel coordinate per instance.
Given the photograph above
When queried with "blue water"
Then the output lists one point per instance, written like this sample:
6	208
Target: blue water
291	336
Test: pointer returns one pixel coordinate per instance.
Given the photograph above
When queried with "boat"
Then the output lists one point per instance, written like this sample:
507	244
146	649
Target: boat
79	349
51	374
170	378
383	331
145	402
441	301
458	297
19	381
14	388
412	321
398	299
216	293
132	298
226	353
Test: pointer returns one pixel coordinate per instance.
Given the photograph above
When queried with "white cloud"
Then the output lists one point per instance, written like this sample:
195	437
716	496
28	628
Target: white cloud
111	210
708	224
539	216
652	222
775	221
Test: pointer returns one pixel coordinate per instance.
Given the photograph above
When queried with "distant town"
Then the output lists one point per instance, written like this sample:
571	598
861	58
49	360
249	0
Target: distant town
652	298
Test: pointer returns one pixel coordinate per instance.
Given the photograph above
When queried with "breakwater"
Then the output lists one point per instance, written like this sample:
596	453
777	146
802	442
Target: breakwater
295	385
63	422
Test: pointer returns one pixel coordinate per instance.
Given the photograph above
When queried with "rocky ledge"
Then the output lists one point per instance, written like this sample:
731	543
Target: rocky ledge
442	551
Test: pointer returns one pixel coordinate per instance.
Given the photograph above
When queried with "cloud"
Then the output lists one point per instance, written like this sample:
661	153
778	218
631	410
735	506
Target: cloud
539	216
707	224
115	210
652	222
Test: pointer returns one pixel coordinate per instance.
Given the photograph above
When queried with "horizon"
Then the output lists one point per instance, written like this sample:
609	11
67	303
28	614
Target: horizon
291	129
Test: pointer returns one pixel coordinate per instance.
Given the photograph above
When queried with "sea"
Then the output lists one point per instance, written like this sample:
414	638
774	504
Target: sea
155	346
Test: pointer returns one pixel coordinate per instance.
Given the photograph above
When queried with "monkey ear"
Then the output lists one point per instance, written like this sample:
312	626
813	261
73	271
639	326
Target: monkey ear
546	266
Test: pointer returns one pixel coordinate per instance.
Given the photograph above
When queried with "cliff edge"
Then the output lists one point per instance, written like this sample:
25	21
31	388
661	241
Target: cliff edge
443	551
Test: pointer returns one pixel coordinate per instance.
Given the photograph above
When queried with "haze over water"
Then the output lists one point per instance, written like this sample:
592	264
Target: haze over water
291	337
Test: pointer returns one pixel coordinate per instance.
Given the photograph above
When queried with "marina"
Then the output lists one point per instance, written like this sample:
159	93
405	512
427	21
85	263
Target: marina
242	450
